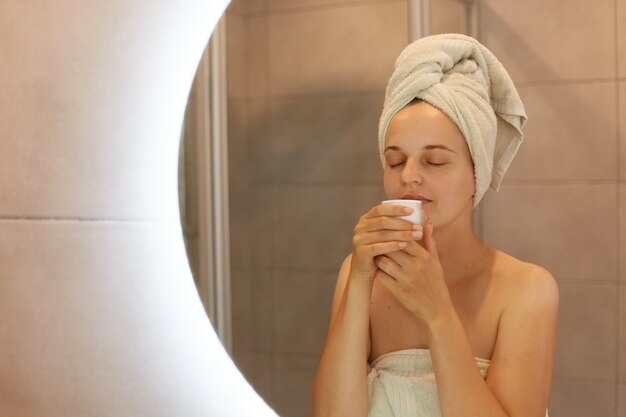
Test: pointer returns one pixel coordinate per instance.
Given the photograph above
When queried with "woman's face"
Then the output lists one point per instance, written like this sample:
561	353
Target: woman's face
426	155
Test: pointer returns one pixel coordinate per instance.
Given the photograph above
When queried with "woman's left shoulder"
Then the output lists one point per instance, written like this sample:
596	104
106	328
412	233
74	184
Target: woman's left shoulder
527	278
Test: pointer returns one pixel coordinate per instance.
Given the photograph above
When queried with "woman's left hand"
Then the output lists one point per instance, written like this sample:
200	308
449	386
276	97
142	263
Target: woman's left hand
415	277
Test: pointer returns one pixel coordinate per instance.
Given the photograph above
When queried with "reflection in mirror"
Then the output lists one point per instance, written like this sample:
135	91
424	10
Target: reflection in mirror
303	166
305	88
203	184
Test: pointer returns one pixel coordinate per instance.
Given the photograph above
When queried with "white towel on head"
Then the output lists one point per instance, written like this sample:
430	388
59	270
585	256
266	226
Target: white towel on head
462	78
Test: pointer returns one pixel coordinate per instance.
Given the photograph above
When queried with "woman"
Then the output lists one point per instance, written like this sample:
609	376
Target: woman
429	320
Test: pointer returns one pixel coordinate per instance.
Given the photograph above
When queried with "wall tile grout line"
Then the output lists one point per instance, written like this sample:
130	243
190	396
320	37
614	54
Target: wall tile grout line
297	97
584	380
82	219
376	183
339	94
333	270
617	186
574	81
320	7
589	281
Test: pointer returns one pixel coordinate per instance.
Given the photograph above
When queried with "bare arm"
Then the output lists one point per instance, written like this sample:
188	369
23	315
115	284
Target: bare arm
519	377
340	386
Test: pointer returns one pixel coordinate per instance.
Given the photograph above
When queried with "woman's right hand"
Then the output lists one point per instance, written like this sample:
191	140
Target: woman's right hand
379	231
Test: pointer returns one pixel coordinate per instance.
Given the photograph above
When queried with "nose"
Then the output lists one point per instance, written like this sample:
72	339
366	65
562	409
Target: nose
411	172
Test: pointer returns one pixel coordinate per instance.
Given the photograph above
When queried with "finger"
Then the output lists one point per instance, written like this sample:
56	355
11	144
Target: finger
387	280
429	241
413	248
389	223
371	233
388	210
382	248
388	265
400	257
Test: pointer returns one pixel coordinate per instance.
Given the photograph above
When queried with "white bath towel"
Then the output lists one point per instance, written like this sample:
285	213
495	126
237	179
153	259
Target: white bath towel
402	383
462	78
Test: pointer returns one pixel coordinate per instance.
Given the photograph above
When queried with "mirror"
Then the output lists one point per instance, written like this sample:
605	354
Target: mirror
305	89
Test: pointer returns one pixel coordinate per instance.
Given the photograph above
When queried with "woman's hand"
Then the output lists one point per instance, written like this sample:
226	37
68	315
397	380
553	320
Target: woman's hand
415	277
379	232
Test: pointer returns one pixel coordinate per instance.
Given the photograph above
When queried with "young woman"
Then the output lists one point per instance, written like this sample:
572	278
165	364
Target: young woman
430	320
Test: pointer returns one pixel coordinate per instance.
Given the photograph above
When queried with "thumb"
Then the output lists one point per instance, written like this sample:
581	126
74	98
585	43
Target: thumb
429	241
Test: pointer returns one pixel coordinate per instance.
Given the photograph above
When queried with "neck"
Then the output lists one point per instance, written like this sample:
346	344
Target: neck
460	250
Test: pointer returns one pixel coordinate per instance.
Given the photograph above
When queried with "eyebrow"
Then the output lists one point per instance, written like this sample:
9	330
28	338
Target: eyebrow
428	147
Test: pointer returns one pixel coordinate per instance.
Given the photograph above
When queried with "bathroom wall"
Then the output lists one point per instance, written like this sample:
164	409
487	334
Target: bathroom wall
306	86
562	204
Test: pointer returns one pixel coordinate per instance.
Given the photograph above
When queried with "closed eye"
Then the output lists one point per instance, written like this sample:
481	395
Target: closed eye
428	162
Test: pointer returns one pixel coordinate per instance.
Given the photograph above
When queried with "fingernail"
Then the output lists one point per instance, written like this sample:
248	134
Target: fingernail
417	234
408	210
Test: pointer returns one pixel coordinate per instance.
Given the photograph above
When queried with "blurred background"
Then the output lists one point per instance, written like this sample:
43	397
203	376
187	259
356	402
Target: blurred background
304	85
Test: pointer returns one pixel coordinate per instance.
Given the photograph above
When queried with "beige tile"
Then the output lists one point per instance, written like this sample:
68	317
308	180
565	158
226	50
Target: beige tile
294	383
100	310
621	36
622	232
237	55
91	132
586	339
303	304
253	305
262	309
251	232
339	50
314	224
325	139
303	5
581	399
258	369
622	334
622	128
245	7
45	173
257	54
240	218
547	40
571	133
448	16
569	229
241	311
246	55
258	142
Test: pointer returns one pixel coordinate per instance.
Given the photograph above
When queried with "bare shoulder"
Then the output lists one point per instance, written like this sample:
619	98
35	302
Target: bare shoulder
522	362
528	283
524	275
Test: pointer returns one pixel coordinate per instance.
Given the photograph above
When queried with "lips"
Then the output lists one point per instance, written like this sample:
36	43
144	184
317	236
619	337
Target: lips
423	199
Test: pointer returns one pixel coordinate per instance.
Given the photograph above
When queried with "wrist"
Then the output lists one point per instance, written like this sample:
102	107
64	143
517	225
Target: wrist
356	283
443	320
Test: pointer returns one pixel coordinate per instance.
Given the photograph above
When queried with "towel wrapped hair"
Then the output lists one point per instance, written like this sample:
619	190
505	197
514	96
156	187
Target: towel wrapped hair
462	78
